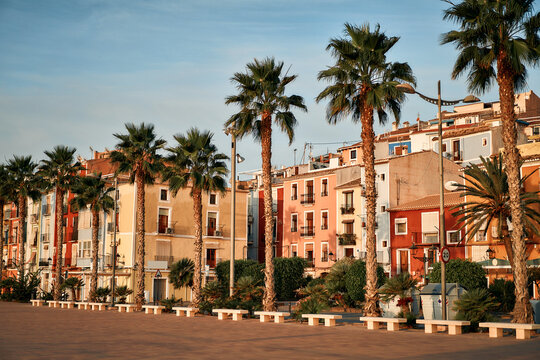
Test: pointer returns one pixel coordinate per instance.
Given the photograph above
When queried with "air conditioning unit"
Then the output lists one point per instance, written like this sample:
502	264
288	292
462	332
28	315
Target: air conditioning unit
218	233
169	231
447	155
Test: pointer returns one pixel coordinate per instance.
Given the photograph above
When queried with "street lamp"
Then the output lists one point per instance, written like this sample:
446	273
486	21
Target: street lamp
113	280
235	158
407	88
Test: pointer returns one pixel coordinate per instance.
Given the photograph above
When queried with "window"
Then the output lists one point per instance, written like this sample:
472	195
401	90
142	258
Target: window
453	237
308	253
444	148
348	227
212	199
324	252
308	229
211	224
348	207
381	176
324	187
383	208
484	141
324	220
536	130
211	258
274	228
353	154
163	220
85	249
294	191
163	250
164	195
430	225
294	250
294	222
480	235
400	226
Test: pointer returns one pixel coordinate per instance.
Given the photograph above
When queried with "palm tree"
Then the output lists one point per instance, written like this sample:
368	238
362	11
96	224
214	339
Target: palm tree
23	184
501	34
92	192
195	161
123	292
60	170
137	155
261	97
182	273
486	189
363	81
399	287
72	284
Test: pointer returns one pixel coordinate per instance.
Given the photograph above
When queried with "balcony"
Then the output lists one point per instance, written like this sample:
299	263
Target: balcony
308	199
347	209
324	227
44	238
324	258
7	214
294	228
84	262
215	232
307	231
110	227
310	262
294	197
347	239
324	193
43	262
11	264
46	210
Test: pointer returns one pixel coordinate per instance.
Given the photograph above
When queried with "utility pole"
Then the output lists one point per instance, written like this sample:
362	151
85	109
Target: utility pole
113	280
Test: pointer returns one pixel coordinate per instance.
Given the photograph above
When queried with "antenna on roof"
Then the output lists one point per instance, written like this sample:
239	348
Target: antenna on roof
418	119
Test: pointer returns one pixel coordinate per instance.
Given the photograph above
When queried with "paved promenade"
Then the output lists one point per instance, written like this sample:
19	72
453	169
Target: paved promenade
41	333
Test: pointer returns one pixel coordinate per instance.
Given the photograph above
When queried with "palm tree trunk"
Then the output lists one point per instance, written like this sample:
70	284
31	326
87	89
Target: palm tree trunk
505	77
266	145
59	215
371	306
21	205
507	240
95	252
139	273
2	203
197	219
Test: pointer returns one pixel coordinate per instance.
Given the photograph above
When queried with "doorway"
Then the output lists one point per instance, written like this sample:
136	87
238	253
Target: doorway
160	290
403	261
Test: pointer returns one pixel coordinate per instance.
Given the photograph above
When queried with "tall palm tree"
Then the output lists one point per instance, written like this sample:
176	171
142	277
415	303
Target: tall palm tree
137	154
262	100
363	81
4	198
92	192
501	34
23	184
487	189
60	169
196	162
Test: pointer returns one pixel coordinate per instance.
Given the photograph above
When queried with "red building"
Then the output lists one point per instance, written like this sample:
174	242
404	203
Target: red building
417	222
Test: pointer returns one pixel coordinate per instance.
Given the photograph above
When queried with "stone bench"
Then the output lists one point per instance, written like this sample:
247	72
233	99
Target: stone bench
329	319
523	331
392	324
224	313
82	305
279	317
187	311
66	304
99	306
454	326
126	307
53	303
154	309
37	302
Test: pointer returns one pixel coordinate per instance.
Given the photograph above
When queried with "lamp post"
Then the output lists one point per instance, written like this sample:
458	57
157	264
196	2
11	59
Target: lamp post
113	280
406	88
234	159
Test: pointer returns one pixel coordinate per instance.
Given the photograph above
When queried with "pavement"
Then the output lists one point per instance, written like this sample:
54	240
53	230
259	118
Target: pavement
28	332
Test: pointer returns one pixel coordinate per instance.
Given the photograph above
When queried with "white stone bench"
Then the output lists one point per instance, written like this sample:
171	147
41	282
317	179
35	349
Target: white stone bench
53	303
66	304
99	306
37	302
454	326
82	305
126	307
224	313
329	319
523	331
279	317
392	324
187	311
154	309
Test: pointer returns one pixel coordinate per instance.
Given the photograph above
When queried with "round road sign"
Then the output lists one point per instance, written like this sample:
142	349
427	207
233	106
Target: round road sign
445	254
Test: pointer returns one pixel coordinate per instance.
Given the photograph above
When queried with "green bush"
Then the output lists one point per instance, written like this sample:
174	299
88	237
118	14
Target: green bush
475	306
355	280
309	305
21	289
241	268
169	303
468	274
288	277
123	292
101	294
503	291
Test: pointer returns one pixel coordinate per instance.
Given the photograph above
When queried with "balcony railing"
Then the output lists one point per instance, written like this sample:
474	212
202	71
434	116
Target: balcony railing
307	231
167	258
347	239
294	197
324	258
347	209
11	264
294	228
212	231
43	262
324	227
310	262
44	238
308	198
46	210
324	193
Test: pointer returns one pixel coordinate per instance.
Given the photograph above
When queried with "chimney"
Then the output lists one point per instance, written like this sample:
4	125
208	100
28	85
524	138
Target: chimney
406	124
394	126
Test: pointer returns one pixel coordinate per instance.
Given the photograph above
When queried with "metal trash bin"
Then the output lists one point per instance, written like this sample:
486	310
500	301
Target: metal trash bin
431	300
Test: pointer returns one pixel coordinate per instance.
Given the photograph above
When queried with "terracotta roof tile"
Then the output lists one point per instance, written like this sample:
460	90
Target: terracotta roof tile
431	202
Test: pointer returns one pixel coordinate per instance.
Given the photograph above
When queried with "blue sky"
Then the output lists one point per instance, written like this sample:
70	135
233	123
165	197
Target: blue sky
73	72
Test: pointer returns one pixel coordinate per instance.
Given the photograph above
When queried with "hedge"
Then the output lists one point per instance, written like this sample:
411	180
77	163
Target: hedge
468	274
355	280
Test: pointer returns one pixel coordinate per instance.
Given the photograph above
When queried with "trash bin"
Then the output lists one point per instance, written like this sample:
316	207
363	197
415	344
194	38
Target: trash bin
536	310
431	300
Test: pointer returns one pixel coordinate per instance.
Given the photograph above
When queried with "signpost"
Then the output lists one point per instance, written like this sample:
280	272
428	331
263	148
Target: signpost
157	274
445	255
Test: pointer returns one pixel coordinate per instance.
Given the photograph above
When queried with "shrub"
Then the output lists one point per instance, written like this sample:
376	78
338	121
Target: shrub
468	274
503	291
288	277
475	306
355	280
309	305
169	303
399	287
101	294
21	289
123	292
241	268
